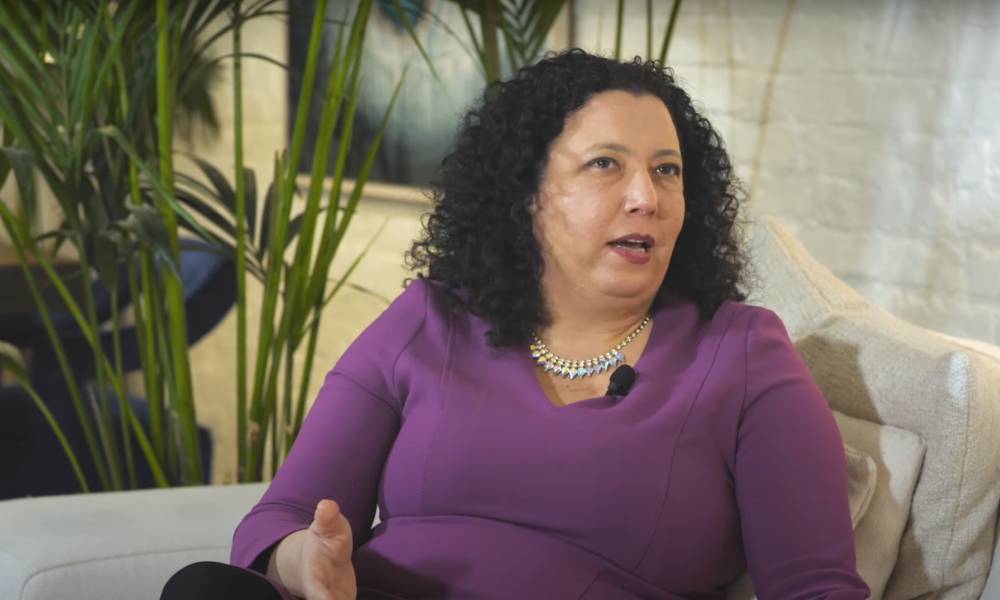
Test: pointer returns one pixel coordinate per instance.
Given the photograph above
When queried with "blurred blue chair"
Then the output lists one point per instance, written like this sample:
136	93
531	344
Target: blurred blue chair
35	462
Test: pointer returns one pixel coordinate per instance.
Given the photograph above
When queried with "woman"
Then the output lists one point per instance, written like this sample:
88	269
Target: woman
585	219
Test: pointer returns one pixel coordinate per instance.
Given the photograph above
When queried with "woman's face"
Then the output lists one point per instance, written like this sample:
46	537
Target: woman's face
611	202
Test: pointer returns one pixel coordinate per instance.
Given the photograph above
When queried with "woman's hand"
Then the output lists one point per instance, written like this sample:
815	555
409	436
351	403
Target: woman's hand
326	571
315	563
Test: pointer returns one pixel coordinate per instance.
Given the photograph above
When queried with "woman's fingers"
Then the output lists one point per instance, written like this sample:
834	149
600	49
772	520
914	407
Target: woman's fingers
325	518
333	528
327	572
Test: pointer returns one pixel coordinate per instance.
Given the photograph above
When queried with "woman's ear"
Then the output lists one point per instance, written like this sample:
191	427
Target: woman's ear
533	204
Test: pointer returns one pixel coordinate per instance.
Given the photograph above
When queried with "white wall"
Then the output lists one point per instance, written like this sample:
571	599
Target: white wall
870	127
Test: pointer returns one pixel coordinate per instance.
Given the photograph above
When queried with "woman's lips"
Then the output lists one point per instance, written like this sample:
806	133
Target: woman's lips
633	255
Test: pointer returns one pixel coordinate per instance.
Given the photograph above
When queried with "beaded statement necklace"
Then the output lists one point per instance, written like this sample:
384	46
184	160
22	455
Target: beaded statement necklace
575	369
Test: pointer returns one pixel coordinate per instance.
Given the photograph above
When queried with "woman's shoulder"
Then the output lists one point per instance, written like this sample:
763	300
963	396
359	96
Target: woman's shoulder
748	319
420	308
370	357
406	315
763	340
731	319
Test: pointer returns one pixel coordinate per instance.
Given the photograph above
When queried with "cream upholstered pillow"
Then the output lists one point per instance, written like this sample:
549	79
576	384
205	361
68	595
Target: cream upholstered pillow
862	475
897	456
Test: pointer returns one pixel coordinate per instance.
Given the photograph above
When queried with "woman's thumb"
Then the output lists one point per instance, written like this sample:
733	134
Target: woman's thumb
325	518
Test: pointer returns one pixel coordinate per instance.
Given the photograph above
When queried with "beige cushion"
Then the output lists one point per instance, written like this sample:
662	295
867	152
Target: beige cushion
894	457
862	477
875	367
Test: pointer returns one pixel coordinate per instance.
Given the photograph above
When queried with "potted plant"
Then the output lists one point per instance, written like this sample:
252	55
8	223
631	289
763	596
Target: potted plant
92	91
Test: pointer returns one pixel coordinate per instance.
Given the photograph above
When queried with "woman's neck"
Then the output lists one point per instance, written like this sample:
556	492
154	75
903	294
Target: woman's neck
577	332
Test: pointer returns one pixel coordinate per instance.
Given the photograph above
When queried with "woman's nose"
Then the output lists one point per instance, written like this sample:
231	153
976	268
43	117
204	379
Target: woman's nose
640	194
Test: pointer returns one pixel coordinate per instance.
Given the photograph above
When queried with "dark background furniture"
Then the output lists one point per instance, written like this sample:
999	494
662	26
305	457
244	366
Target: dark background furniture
32	462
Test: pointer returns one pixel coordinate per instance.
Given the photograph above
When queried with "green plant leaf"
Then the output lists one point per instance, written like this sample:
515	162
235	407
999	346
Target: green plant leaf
20	48
471	31
154	181
250	191
204	209
22	164
265	227
261	57
60	235
12	360
294	227
108	245
196	186
147	224
226	193
60	232
405	20
526	26
6	139
619	28
668	35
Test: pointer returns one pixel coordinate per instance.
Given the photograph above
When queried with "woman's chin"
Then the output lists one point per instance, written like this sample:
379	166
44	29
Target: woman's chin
630	288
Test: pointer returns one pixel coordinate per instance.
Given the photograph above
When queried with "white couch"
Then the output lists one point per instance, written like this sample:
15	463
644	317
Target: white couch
919	412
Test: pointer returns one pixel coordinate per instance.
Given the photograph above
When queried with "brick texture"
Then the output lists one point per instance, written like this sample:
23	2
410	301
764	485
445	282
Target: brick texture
879	145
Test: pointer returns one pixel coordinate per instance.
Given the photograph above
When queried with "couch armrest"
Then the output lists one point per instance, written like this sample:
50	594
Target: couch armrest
115	544
992	589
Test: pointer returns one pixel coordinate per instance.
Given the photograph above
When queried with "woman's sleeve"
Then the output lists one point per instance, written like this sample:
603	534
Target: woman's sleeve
344	441
791	477
338	454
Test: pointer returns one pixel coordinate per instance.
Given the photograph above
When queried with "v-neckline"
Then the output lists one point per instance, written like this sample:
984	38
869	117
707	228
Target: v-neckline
604	401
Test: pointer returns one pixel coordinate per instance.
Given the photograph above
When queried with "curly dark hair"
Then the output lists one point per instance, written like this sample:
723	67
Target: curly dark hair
479	238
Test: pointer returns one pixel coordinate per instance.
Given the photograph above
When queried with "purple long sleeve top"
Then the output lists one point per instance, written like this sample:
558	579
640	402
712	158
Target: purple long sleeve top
723	456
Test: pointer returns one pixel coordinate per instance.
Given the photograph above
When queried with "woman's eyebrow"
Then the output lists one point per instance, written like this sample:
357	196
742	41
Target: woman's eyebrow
624	150
667	152
608	146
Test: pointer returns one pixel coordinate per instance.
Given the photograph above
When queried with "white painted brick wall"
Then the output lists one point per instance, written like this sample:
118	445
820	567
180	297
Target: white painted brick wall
881	142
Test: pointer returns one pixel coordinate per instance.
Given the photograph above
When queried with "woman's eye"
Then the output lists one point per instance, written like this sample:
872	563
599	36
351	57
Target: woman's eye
669	170
602	163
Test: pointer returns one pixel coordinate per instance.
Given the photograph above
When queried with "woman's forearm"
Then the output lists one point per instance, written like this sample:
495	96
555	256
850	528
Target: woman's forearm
285	563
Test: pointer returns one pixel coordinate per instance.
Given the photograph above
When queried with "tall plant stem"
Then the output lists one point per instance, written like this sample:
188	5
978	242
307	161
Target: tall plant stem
102	412
183	403
298	303
489	22
143	326
241	245
156	375
296	424
618	30
296	298
649	29
124	406
145	338
286	188
168	378
287	401
312	299
669	34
